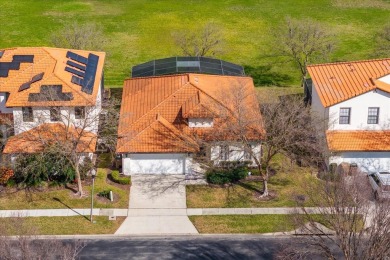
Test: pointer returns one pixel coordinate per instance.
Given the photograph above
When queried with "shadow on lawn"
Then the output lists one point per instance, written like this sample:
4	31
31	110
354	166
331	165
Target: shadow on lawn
78	213
249	187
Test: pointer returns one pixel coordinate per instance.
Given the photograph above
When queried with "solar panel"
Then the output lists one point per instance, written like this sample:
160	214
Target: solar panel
50	93
77	80
76	65
76	57
76	72
25	86
23	58
90	73
37	77
4	73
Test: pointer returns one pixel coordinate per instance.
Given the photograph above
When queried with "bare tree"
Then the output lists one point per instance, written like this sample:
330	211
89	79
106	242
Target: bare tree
26	245
303	42
359	227
382	40
88	36
289	131
56	130
204	42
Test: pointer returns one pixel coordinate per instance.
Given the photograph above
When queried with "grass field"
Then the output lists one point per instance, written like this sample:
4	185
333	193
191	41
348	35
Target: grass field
139	30
77	225
284	186
250	224
62	198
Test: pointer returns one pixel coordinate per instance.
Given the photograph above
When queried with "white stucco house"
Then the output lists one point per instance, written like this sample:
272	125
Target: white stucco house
352	99
48	93
161	118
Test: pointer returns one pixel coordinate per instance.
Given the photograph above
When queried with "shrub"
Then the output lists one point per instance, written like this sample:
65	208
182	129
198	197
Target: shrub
5	174
104	194
125	180
222	176
33	169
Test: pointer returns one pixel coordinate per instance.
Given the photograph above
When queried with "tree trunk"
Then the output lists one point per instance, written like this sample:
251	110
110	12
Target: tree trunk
265	184
78	178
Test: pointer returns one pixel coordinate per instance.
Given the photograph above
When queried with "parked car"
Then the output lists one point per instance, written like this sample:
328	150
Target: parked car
380	183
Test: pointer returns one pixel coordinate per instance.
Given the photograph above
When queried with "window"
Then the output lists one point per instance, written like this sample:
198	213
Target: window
55	114
373	115
345	115
79	112
224	152
27	114
6	96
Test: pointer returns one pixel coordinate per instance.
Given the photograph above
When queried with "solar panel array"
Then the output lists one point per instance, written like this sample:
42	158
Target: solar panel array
175	65
5	67
27	85
83	70
50	93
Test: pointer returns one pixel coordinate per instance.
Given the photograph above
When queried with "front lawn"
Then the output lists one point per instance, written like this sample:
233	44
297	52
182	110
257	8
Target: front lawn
251	224
284	188
75	225
60	197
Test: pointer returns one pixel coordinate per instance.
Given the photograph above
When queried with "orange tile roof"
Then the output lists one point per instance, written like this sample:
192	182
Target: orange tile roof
337	82
359	140
51	62
36	139
154	110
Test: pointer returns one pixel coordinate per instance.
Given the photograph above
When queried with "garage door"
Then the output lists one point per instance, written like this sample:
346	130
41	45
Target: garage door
154	164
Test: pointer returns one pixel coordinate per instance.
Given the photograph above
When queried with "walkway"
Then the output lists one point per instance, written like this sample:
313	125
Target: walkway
157	206
149	212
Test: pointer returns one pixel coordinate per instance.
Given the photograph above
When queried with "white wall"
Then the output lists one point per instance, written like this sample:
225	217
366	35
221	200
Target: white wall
367	161
319	113
236	153
3	108
200	122
359	112
156	163
42	115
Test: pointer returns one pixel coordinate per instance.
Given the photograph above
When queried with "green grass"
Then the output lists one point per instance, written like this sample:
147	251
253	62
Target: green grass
55	198
286	186
76	225
242	224
139	30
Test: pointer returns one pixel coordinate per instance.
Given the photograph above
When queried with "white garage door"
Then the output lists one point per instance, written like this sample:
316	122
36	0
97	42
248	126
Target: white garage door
154	164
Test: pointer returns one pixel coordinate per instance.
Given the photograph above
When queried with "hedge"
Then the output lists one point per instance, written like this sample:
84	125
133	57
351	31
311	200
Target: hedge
222	176
125	180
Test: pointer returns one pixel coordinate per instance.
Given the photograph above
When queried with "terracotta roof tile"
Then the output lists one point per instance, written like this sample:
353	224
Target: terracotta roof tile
337	82
52	62
359	140
36	139
152	110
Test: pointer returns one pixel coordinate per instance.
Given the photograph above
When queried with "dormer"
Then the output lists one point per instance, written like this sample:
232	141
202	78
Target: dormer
198	112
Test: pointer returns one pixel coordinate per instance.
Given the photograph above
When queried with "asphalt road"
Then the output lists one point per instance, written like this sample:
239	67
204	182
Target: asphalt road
190	247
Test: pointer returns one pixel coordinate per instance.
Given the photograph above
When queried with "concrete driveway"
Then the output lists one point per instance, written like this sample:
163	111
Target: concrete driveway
157	206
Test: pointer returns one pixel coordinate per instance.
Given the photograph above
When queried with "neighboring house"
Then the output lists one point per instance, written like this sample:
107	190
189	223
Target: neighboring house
161	118
353	100
49	93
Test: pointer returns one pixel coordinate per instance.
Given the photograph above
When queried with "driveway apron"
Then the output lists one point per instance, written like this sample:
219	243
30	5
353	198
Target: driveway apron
157	206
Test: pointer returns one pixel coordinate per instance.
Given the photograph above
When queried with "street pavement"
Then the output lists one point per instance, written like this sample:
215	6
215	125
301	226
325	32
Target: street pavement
157	206
193	247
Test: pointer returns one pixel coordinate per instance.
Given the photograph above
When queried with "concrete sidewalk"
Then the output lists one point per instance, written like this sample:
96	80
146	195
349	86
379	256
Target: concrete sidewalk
151	212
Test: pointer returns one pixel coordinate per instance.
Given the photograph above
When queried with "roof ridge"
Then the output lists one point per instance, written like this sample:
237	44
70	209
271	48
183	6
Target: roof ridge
348	62
155	107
